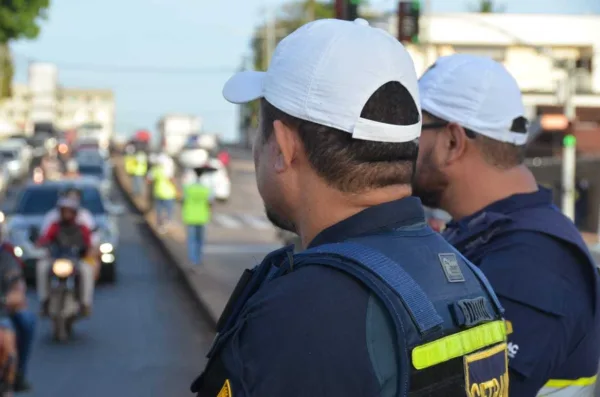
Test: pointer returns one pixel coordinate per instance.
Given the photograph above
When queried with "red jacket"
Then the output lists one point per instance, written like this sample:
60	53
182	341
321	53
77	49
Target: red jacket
53	230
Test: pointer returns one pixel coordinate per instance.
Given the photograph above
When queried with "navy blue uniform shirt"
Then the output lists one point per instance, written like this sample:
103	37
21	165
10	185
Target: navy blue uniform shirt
523	263
309	333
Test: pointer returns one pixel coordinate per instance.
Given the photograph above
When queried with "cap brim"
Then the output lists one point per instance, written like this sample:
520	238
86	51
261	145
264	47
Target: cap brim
244	87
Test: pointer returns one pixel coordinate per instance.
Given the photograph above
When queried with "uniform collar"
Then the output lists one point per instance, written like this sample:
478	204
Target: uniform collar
392	215
508	205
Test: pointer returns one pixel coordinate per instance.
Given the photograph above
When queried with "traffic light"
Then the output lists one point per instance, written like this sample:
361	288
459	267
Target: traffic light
352	10
409	13
346	9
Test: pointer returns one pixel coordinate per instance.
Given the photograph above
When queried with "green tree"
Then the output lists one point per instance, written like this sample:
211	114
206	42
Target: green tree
19	19
487	7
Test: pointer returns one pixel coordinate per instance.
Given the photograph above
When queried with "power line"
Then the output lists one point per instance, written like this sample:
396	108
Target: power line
125	69
97	68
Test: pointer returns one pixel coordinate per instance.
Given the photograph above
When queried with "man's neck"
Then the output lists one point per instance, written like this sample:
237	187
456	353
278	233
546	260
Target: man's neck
325	207
473	194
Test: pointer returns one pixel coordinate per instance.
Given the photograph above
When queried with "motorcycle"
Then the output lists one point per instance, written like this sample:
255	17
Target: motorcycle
64	299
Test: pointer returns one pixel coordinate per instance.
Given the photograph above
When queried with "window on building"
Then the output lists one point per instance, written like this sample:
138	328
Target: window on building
498	54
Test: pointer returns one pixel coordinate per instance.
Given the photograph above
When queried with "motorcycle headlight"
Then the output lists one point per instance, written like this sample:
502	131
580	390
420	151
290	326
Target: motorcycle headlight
18	251
62	268
2	217
106	248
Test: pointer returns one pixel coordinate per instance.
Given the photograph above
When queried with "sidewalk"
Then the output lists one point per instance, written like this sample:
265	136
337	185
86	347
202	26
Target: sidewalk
212	283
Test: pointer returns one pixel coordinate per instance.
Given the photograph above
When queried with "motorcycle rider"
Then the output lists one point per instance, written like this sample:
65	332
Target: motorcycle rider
17	324
22	319
50	164
66	233
84	217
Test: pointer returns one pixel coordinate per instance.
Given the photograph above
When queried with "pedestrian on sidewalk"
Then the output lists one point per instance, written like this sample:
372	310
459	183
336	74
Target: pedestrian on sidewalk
130	161
164	194
198	196
139	172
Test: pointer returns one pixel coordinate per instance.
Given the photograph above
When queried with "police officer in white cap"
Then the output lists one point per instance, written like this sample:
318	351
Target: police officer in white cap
378	304
471	164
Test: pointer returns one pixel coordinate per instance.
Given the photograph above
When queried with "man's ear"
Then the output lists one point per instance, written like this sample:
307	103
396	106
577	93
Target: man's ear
286	145
456	142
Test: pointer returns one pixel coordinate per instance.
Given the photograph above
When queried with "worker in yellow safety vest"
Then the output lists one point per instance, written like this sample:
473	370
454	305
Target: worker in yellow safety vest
164	193
130	160
139	172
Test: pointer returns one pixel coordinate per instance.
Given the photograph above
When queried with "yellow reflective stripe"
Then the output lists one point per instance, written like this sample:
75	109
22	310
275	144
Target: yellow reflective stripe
459	344
559	383
509	328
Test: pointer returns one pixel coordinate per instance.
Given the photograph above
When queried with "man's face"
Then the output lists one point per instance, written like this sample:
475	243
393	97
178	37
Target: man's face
67	214
430	180
271	184
74	195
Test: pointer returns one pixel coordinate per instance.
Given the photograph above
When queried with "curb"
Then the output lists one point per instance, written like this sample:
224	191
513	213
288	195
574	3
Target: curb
203	306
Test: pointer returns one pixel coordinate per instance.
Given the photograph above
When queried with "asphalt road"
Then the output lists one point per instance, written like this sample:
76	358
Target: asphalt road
144	338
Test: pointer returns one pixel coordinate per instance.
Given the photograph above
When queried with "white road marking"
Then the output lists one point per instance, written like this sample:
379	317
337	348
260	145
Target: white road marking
240	248
227	221
257	222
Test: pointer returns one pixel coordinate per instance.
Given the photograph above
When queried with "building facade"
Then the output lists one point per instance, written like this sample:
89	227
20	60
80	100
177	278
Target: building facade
534	48
43	100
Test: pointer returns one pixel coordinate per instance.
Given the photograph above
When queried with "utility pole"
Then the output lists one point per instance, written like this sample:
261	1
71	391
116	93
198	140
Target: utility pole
426	36
269	38
312	14
569	158
568	176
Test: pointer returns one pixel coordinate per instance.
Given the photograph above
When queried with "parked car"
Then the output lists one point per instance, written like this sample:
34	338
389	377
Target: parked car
24	220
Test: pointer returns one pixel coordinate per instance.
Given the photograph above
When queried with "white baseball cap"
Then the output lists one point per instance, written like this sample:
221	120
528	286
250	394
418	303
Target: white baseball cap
326	71
478	93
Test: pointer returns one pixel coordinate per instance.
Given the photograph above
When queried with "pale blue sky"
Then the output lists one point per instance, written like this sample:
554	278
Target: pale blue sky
209	36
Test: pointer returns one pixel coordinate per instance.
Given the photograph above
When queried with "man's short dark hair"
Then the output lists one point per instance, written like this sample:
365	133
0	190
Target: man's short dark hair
502	155
353	165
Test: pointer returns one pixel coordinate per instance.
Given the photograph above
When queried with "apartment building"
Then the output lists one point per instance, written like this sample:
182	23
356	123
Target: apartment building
44	100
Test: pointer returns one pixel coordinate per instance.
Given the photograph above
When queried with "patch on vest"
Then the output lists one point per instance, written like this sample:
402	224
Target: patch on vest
225	390
486	372
451	268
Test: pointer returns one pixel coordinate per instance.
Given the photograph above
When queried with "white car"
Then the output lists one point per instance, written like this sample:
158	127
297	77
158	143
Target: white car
218	180
10	156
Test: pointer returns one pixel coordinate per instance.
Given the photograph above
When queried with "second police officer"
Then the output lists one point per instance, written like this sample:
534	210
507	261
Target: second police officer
378	304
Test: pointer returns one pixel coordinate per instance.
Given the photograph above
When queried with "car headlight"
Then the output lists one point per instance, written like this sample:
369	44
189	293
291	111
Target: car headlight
106	248
62	268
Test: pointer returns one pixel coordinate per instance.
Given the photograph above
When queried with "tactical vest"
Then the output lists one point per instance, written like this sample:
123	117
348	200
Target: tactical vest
449	337
550	221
